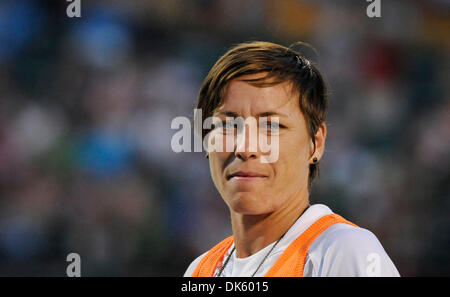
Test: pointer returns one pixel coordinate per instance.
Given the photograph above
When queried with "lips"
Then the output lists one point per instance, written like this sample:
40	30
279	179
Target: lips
245	175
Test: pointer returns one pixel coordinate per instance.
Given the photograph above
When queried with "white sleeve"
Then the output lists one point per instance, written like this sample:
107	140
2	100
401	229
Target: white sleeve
344	250
193	265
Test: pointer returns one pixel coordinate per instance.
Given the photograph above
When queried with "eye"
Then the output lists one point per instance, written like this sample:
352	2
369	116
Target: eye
271	126
228	126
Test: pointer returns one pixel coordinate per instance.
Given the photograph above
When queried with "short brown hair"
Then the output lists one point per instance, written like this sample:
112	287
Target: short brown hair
281	64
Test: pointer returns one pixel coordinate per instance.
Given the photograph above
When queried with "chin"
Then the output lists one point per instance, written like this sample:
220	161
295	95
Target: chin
249	203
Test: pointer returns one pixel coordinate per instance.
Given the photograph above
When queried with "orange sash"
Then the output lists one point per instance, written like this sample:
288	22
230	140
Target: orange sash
291	262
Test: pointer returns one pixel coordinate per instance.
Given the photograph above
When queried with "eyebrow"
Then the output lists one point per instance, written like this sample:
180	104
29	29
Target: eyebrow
262	114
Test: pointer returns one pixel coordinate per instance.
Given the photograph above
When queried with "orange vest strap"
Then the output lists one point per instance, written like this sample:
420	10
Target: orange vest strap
292	260
209	262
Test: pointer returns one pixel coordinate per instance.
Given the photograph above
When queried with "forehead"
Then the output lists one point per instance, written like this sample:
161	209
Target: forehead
247	99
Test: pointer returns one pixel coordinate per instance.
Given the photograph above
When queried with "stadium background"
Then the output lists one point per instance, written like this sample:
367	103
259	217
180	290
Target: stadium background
86	105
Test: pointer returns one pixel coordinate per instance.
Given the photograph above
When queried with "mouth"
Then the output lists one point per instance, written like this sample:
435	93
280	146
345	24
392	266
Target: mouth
245	176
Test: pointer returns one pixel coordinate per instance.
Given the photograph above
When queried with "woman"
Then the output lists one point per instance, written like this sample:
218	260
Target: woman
276	232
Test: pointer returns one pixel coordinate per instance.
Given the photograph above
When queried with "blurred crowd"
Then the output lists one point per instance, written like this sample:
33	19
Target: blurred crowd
86	105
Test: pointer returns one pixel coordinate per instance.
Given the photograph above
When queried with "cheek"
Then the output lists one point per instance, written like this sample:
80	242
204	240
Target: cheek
292	168
216	163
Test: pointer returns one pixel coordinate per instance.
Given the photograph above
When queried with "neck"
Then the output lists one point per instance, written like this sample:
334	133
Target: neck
254	232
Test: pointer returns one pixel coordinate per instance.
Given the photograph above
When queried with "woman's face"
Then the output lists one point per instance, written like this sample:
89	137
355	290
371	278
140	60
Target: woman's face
248	185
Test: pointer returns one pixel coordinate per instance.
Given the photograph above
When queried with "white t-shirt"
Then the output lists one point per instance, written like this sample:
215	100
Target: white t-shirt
341	250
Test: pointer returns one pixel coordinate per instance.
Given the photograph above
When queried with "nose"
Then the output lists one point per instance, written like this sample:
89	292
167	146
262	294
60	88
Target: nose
247	141
245	155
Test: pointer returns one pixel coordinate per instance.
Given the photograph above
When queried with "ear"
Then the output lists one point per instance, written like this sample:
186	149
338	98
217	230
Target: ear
320	138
